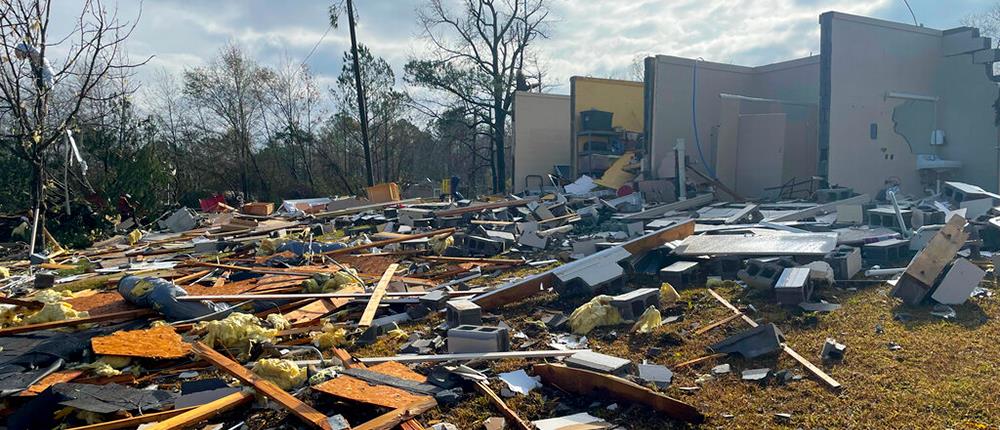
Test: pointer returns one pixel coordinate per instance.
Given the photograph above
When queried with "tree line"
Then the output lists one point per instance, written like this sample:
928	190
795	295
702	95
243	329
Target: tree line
251	130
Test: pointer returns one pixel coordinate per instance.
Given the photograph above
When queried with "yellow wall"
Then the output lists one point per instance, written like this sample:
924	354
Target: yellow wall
623	98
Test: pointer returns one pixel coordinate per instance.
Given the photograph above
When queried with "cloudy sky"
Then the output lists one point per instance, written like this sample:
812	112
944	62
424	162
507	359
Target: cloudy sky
587	37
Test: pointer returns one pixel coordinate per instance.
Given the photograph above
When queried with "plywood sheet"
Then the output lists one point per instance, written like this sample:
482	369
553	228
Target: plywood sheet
159	342
355	389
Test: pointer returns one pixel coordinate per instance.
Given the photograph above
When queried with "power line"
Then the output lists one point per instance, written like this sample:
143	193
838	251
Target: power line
328	28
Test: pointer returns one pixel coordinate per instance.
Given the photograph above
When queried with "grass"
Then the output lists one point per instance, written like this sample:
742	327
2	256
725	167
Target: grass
946	375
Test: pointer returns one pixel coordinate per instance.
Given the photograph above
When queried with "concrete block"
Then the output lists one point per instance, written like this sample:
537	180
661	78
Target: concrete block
850	214
506	237
471	338
382	326
463	312
886	217
886	251
761	275
832	350
845	261
682	274
833	194
44	280
793	287
448	221
478	245
958	283
725	266
533	240
598	362
632	304
753	343
926	216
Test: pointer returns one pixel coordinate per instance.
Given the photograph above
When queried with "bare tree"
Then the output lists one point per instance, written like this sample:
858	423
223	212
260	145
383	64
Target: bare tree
35	116
296	106
477	55
233	88
987	21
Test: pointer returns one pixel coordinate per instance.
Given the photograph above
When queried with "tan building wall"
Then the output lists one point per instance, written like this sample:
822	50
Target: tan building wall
541	130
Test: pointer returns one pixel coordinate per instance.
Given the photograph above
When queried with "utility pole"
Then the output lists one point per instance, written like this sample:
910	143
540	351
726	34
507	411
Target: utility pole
362	110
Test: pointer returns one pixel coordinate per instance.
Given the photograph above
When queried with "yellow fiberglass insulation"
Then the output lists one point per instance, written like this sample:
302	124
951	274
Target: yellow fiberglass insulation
595	313
283	373
57	311
237	330
52	296
278	322
9	316
330	337
107	365
438	244
648	321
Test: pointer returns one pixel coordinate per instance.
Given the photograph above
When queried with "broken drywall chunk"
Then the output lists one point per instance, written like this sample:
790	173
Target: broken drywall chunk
656	374
598	362
959	282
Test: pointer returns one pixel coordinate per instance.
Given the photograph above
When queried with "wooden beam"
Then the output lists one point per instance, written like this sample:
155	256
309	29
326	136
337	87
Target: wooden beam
482	207
585	382
816	371
376	298
497	261
132	314
698	360
196	414
133	422
513	419
396	416
714	324
266	388
381	243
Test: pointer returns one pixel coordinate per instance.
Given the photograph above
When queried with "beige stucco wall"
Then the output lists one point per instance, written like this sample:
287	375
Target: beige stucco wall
541	130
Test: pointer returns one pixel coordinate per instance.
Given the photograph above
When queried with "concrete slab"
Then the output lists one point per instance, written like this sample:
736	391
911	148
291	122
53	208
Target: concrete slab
962	278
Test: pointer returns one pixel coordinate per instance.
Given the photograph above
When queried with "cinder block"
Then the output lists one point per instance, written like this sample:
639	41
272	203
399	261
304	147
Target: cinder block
682	274
886	217
632	304
477	245
44	280
598	362
760	274
886	251
833	194
471	338
463	312
793	287
845	261
434	300
448	221
725	266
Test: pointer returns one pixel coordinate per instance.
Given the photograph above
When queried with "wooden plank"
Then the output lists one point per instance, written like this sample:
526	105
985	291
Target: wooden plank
381	243
714	324
320	308
939	252
201	413
816	371
396	416
133	422
485	206
50	380
411	424
497	261
305	412
376	298
132	314
27	304
698	360
585	382
513	419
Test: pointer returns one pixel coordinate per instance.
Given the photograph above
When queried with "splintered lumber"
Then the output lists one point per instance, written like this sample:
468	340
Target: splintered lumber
407	423
512	418
816	371
472	356
495	261
714	324
585	382
820	209
698	360
27	304
320	308
381	243
394	417
123	315
531	285
376	298
157	342
350	388
133	422
923	270
197	414
264	387
243	297
50	380
482	207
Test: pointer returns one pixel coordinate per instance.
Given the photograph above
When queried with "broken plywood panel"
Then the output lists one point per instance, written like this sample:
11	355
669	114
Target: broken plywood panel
350	388
159	342
399	370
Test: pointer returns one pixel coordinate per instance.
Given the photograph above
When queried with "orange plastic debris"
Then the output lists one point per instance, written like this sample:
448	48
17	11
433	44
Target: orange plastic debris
159	342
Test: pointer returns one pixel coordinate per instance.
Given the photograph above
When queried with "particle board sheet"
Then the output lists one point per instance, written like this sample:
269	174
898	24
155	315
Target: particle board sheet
159	342
351	388
399	370
758	244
